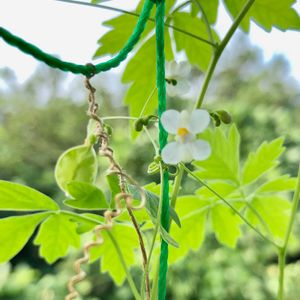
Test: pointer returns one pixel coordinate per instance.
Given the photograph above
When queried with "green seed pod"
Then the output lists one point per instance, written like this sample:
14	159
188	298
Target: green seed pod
138	125
216	119
224	116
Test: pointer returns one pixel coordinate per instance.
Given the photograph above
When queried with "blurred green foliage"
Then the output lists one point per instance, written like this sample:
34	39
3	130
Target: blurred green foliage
37	124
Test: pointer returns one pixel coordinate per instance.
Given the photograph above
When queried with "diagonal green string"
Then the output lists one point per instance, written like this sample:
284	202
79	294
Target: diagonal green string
87	70
163	136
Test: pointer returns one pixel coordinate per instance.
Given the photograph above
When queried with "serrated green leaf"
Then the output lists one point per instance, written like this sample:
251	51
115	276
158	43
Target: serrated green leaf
197	52
110	262
167	238
267	14
76	164
55	236
210	8
261	161
274	210
14	196
15	232
85	196
223	162
226	225
281	184
192	211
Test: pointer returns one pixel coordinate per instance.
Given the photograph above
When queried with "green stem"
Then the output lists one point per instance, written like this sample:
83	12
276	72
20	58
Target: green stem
219	50
123	262
205	19
281	263
283	250
81	217
231	206
137	15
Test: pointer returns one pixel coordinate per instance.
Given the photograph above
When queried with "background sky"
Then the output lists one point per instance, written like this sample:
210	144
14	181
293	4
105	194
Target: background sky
71	32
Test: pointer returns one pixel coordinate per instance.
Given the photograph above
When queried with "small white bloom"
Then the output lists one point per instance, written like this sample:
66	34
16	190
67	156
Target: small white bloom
178	73
185	126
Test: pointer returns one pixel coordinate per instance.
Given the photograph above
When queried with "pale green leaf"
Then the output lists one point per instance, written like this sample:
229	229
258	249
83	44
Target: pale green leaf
192	211
261	161
267	14
14	196
114	186
55	236
76	164
85	196
223	162
226	225
197	52
281	184
15	232
110	262
274	210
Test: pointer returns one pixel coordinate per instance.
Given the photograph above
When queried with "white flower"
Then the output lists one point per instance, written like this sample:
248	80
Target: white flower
177	78
185	126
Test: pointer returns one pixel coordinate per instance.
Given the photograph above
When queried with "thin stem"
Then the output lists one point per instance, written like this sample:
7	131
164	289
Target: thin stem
219	50
230	205
283	250
147	101
137	15
155	146
281	263
123	262
118	117
144	253
205	19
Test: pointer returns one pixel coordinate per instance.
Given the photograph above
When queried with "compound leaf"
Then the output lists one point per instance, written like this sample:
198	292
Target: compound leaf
55	236
261	161
267	14
14	196
223	162
192	211
15	232
110	262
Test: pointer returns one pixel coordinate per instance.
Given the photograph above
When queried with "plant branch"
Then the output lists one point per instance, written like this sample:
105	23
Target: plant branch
230	205
283	250
137	15
144	252
205	19
219	50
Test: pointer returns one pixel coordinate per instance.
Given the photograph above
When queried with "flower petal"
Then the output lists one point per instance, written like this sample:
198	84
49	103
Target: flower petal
200	149
198	121
170	120
171	153
185	152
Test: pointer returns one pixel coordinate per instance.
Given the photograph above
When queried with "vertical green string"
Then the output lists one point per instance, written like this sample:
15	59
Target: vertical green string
163	136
